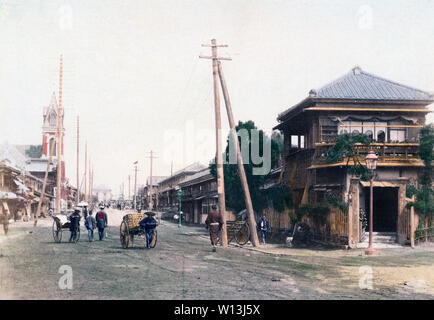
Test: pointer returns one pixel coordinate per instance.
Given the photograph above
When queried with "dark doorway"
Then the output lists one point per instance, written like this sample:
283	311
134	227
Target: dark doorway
385	209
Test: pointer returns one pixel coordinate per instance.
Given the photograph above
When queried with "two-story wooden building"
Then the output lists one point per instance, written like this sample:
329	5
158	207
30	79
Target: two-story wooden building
199	193
359	102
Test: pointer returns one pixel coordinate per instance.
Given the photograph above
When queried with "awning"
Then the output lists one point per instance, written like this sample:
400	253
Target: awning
21	185
7	195
383	184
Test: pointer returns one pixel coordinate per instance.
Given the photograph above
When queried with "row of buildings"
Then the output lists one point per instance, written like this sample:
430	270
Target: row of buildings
22	172
391	114
199	192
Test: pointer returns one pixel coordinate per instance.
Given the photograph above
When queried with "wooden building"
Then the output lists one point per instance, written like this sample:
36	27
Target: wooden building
168	188
199	193
359	102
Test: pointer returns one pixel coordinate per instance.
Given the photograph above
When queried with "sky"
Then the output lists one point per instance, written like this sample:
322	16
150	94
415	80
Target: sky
132	71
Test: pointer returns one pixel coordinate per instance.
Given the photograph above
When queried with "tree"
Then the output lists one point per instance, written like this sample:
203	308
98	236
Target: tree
424	194
344	148
34	151
233	190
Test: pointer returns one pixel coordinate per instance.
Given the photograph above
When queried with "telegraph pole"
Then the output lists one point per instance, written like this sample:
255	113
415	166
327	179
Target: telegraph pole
151	202
242	173
135	185
44	185
90	177
219	155
129	188
78	160
59	138
85	172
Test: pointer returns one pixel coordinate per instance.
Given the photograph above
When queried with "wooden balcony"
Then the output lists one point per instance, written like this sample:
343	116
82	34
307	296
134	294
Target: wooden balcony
405	154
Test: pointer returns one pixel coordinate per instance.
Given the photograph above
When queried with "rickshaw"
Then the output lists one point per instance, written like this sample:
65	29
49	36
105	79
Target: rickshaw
130	227
61	222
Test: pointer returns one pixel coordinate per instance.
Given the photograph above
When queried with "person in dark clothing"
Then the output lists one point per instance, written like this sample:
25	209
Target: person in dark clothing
74	224
85	212
101	222
263	227
214	223
90	224
149	224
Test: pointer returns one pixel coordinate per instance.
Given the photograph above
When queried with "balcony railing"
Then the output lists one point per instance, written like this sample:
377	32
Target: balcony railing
389	154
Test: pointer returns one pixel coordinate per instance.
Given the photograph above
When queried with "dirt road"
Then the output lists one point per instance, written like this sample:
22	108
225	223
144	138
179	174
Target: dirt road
182	266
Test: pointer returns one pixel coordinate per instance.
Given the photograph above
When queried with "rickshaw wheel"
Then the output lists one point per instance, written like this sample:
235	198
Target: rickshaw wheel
57	231
124	235
154	240
243	235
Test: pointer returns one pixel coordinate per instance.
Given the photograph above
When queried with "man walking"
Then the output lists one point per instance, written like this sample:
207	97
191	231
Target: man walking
101	222
149	224
74	224
264	227
214	224
90	225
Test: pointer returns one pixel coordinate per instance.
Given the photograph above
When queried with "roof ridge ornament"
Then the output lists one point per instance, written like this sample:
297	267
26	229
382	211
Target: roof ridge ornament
312	93
357	70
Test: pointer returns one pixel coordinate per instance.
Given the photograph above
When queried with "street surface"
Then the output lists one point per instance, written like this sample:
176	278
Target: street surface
182	266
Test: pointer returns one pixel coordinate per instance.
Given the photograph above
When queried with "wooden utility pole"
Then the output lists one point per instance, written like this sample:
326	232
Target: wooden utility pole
135	185
44	185
78	160
151	202
59	139
90	177
219	155
241	172
85	172
90	183
129	188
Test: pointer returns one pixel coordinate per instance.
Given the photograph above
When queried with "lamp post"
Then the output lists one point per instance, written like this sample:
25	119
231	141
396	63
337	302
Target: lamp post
371	164
179	207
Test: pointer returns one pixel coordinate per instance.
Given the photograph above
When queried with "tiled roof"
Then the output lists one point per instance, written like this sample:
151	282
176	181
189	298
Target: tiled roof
359	84
39	165
155	180
196	176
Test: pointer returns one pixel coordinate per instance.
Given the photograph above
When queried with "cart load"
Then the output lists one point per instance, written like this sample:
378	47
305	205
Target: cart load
130	227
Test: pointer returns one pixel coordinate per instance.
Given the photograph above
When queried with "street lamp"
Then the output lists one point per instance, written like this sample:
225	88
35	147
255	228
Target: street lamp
371	164
179	208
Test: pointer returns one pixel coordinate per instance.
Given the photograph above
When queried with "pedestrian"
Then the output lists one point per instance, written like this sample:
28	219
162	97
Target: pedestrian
5	219
214	223
74	224
263	227
149	224
101	222
85	212
90	224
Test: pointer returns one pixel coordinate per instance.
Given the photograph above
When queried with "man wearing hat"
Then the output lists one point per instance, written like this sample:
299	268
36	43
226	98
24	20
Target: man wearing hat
149	224
101	221
74	224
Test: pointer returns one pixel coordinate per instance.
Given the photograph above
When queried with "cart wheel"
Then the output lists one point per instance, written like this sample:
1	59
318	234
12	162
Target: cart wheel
154	240
243	235
124	235
57	231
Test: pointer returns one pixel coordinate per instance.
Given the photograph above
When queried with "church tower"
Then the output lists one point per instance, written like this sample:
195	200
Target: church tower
49	129
49	132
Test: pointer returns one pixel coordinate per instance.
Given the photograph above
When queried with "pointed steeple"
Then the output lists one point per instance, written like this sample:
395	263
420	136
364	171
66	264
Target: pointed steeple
53	102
